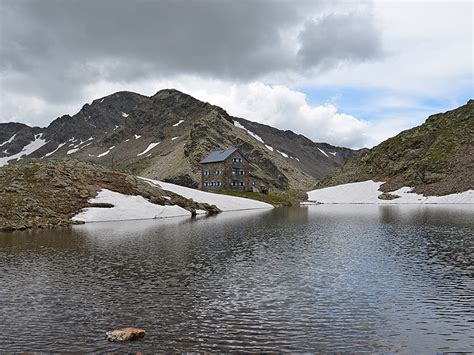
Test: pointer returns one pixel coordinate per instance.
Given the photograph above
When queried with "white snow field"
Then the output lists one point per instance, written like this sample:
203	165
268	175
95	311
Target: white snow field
368	191
223	202
136	207
126	208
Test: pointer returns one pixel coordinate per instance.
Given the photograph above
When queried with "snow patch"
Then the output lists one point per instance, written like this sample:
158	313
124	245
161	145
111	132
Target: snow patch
256	136
150	147
126	208
101	100
177	124
174	138
333	153
137	136
223	202
54	151
284	154
105	153
322	151
82	142
367	192
8	141
269	148
27	149
71	151
124	115
126	140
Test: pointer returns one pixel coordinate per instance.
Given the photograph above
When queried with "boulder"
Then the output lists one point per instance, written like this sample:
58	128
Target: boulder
125	334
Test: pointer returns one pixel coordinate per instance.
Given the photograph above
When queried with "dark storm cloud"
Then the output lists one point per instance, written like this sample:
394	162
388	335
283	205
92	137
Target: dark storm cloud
335	38
53	48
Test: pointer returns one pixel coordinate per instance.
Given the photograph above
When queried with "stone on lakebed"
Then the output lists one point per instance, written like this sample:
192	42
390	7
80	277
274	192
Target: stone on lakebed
125	334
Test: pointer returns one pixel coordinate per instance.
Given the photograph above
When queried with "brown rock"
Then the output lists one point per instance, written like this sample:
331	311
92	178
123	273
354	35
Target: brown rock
125	334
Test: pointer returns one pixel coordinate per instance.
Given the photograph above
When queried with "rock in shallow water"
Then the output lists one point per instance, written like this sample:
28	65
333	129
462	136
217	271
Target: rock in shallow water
125	334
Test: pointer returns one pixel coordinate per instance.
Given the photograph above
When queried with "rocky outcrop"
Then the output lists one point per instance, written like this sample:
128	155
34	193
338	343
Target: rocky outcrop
125	334
50	193
436	158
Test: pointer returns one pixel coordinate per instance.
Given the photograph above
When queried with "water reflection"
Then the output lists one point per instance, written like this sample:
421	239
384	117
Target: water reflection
317	278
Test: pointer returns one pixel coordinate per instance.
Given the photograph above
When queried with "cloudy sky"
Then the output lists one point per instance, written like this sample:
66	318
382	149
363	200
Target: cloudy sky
350	73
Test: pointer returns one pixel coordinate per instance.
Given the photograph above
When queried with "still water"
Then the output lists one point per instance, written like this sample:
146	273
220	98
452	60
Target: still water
317	278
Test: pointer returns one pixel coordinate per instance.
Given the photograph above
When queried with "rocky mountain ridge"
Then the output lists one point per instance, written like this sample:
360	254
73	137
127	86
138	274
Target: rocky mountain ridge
166	135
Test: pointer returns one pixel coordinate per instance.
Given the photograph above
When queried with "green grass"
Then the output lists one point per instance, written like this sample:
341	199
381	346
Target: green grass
276	198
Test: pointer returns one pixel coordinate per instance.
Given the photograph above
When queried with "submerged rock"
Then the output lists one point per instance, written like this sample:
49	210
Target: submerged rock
125	334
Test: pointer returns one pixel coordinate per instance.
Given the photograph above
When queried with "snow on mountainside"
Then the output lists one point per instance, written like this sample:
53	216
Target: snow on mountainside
33	146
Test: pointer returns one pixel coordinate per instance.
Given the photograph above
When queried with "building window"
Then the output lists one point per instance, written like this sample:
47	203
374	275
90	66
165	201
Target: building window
218	172
207	172
206	184
219	183
241	172
237	183
254	183
237	160
233	172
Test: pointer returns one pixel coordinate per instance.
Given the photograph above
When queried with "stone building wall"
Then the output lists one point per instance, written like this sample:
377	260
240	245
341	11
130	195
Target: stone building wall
229	178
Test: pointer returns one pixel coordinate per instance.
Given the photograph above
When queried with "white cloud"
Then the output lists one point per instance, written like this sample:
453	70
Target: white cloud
429	51
32	110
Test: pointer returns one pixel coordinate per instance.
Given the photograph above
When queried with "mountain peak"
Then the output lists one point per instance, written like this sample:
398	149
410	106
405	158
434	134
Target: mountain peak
165	93
119	95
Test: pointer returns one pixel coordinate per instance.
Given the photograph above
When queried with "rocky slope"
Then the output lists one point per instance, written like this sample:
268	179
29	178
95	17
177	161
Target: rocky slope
166	135
49	193
436	158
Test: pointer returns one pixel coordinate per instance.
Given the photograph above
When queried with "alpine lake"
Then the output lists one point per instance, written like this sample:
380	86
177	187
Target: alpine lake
324	278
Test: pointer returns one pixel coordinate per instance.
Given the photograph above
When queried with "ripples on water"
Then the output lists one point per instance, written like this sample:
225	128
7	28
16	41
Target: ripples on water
319	278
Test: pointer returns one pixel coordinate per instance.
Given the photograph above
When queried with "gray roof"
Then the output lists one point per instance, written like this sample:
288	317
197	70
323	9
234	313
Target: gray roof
218	155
